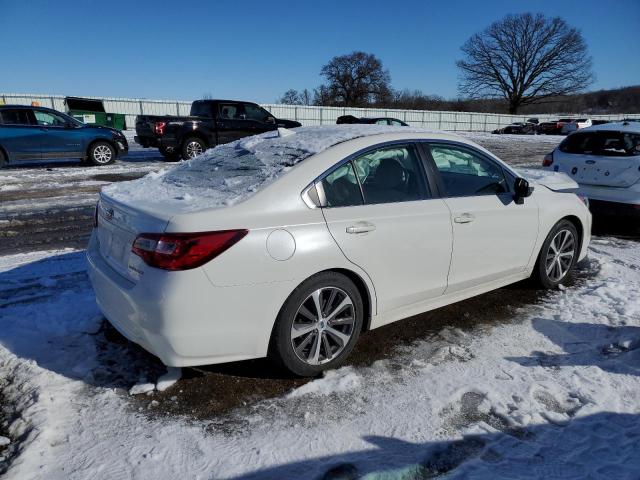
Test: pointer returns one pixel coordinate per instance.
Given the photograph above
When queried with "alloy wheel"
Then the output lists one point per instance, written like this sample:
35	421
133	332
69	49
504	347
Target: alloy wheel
102	154
193	149
560	255
323	325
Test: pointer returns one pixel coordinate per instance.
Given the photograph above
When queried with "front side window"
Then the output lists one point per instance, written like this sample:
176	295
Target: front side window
254	112
48	119
391	174
15	117
382	121
466	173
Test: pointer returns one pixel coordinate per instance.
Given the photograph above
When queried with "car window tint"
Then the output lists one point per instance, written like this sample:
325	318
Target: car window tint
382	121
15	117
605	143
466	173
391	174
48	119
229	110
396	123
253	112
341	187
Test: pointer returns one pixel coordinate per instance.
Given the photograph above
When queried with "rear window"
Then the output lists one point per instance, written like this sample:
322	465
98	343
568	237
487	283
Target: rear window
15	117
610	144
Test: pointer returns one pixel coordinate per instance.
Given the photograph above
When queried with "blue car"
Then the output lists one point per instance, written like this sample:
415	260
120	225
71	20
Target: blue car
36	133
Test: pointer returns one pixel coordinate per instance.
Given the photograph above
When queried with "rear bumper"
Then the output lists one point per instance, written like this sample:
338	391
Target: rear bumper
180	317
162	142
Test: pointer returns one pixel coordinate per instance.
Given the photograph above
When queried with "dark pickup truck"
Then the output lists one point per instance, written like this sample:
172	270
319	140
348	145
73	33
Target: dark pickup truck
211	123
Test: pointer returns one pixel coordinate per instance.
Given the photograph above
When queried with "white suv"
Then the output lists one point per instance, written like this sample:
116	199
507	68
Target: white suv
605	161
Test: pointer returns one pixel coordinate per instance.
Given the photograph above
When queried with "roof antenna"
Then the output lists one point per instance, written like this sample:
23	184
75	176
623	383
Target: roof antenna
285	132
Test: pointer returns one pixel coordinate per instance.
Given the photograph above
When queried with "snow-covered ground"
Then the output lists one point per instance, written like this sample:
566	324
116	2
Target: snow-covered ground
552	393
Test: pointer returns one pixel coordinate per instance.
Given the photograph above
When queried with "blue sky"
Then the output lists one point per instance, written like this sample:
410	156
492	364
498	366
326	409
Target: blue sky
256	50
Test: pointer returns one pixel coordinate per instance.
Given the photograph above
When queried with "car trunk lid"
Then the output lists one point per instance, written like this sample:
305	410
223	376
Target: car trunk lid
118	225
609	171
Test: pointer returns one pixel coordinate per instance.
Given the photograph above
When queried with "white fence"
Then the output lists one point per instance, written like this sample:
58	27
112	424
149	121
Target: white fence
307	115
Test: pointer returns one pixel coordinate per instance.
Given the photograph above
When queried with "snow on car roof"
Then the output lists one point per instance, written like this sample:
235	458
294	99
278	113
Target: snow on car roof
231	173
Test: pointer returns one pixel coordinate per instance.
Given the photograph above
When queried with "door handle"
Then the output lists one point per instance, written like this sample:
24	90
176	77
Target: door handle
464	218
361	227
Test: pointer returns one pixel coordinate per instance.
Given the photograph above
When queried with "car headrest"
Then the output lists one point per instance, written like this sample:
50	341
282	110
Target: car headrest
390	174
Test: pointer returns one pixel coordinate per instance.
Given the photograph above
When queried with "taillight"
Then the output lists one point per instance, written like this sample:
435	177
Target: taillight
182	251
559	125
159	127
548	160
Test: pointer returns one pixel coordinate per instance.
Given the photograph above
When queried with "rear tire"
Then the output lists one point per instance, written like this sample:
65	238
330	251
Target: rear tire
307	340
101	153
170	156
558	255
192	147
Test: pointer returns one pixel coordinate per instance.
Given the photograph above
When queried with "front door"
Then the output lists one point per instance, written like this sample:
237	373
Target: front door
381	214
231	124
60	139
493	237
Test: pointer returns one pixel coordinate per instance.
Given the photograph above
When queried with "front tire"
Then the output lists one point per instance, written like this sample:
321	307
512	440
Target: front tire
192	147
318	325
101	153
169	156
558	255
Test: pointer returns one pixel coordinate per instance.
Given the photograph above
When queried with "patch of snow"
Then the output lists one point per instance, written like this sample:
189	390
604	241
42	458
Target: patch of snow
168	379
334	381
4	441
144	387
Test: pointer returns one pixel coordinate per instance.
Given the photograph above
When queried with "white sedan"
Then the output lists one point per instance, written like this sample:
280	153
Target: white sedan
605	161
291	243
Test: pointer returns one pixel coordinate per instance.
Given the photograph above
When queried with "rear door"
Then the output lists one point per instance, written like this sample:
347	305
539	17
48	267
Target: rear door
493	237
605	158
19	135
382	214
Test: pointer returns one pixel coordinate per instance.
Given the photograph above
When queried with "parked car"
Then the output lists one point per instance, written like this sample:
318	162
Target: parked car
576	124
290	244
605	161
37	133
212	122
553	127
520	128
350	119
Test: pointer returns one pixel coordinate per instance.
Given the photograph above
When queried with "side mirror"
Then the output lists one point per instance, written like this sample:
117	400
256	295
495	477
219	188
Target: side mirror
522	190
270	120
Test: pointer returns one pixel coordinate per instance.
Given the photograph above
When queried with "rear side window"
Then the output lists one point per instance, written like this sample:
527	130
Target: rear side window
391	174
341	187
15	117
229	110
466	173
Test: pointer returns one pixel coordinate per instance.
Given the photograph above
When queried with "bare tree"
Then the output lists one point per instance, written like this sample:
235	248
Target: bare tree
357	79
290	97
525	59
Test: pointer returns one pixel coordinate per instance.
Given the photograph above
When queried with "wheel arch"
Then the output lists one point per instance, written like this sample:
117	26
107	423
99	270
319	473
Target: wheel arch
579	227
362	287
